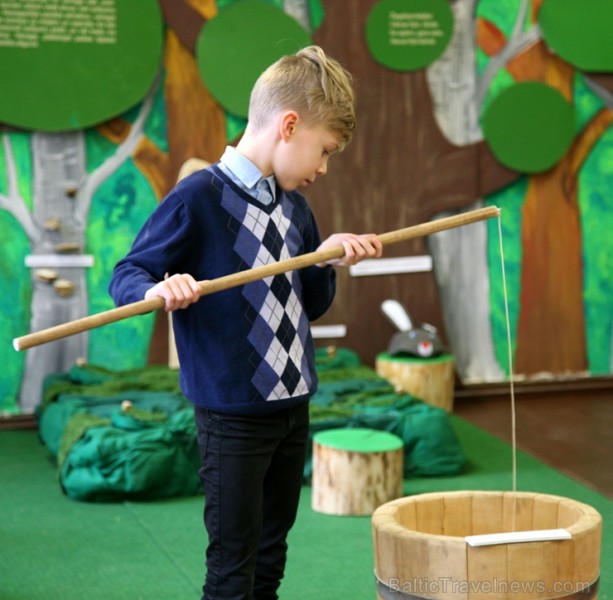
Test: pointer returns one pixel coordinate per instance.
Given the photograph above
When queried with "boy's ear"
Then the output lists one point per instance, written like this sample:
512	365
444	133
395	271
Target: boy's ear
289	121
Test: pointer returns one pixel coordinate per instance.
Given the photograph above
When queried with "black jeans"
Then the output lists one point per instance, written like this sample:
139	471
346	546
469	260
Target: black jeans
252	469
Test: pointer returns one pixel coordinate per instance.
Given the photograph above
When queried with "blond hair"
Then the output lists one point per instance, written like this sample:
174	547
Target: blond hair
316	86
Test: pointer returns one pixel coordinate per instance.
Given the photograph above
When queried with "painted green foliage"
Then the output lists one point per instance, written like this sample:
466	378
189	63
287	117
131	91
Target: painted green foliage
16	297
595	198
580	32
121	206
529	110
596	202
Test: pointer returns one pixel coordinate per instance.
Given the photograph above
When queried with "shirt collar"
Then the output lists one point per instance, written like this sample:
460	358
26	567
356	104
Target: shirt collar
244	170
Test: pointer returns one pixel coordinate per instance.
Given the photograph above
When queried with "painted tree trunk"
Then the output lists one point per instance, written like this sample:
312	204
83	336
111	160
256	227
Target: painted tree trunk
551	329
551	336
63	192
196	129
59	295
460	255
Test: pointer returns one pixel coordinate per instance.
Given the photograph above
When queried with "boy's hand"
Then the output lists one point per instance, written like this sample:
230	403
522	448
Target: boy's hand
178	291
357	248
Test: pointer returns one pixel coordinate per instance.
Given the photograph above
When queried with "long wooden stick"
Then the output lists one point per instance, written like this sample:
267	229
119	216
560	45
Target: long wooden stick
223	283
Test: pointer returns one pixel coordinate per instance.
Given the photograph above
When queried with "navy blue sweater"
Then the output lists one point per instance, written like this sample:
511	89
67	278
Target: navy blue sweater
248	349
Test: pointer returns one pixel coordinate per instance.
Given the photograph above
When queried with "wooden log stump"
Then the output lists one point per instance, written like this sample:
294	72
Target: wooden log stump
429	379
355	470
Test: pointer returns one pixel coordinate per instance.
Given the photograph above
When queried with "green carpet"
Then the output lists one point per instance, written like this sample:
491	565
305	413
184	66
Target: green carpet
53	548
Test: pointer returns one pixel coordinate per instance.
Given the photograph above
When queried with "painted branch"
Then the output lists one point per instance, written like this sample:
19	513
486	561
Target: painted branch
223	283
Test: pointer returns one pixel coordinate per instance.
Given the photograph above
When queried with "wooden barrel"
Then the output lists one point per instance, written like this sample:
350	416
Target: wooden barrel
355	470
429	379
421	549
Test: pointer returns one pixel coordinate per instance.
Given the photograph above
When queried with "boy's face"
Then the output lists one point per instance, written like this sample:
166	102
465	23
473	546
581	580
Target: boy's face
304	155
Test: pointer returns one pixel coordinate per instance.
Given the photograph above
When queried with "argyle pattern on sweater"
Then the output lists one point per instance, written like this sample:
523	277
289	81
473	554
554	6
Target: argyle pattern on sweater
280	328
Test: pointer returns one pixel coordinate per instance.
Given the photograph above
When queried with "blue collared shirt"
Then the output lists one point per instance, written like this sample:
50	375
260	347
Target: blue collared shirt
245	174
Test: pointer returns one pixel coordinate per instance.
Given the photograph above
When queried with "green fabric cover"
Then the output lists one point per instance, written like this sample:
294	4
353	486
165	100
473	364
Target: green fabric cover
110	450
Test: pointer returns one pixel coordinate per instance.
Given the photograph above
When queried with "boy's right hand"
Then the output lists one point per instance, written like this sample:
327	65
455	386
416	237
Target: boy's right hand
178	291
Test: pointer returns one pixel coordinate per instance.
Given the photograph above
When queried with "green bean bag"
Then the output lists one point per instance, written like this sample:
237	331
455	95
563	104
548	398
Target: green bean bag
115	442
131	434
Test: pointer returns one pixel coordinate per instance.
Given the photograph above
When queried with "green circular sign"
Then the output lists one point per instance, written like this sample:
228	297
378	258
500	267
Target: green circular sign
580	32
236	46
406	35
529	126
69	64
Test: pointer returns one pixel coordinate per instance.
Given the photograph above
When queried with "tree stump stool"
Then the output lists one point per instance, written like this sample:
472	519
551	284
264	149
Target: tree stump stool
355	470
429	379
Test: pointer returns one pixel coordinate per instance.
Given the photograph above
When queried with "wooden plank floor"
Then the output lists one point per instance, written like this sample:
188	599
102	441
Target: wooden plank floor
571	431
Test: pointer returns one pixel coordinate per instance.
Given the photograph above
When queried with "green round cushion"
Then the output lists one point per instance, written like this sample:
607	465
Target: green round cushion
358	440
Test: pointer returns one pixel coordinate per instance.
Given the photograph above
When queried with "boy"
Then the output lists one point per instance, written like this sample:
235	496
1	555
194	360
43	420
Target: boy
246	354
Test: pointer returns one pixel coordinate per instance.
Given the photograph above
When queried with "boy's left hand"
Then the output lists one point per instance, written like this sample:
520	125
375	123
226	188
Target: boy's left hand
357	248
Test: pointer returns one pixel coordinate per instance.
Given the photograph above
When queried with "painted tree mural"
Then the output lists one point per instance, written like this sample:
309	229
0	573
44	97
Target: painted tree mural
62	192
80	196
552	331
495	45
82	188
551	327
61	185
88	190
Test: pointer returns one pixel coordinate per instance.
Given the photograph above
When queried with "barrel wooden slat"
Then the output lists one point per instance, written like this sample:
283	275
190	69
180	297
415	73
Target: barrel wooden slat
387	540
546	512
488	515
517	513
430	516
479	567
587	549
532	567
458	515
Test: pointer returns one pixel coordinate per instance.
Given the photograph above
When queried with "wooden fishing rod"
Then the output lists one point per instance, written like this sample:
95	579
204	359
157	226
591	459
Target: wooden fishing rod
223	283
